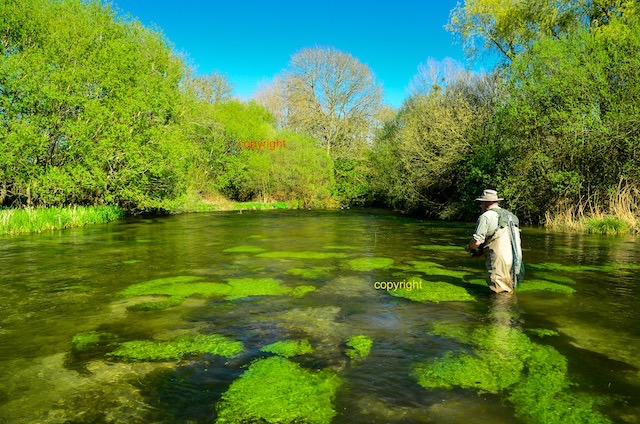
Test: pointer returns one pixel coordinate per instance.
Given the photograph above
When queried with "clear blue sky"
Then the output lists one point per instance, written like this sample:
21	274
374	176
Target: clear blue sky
251	41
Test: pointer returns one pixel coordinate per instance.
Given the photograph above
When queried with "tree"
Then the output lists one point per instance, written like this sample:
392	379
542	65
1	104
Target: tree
332	96
508	27
273	97
211	88
90	107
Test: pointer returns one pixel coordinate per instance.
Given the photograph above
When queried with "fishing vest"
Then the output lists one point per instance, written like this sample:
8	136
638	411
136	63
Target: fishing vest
503	218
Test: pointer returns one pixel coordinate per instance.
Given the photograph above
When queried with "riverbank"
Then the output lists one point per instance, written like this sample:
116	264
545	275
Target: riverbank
618	214
37	220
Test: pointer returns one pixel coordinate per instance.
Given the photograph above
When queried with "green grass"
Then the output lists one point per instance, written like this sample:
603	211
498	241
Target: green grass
23	221
608	225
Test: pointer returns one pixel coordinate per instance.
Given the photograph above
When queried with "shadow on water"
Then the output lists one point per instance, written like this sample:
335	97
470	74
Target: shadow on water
199	302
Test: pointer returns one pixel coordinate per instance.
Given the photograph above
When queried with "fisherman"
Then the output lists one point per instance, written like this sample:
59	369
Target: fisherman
497	236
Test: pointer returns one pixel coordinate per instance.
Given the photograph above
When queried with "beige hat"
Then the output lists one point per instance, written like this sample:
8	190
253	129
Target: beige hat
489	196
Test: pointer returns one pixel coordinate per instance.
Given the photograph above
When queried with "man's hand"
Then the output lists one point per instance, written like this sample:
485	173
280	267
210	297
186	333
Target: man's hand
472	245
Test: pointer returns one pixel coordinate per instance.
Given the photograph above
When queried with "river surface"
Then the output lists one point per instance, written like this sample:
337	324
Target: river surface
565	348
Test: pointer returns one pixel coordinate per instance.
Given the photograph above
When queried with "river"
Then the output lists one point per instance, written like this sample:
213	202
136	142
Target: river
280	316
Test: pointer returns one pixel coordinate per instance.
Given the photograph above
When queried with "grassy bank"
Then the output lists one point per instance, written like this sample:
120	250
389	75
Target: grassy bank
30	220
615	214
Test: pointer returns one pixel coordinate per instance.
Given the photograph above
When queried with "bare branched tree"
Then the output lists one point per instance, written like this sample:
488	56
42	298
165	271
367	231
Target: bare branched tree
211	88
273	96
332	96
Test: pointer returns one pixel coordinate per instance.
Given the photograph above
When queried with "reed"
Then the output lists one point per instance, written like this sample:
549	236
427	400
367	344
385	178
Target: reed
615	213
37	220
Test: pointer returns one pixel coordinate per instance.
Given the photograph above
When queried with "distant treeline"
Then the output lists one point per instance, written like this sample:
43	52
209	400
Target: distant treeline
96	109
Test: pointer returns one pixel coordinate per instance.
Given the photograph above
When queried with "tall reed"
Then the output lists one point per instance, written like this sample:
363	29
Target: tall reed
617	212
36	220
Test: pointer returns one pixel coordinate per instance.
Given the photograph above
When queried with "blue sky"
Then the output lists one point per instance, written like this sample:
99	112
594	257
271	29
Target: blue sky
252	41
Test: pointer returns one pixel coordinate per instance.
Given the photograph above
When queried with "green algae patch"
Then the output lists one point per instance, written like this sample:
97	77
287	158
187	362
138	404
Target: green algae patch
311	272
90	339
543	285
276	390
433	268
246	287
433	291
556	267
338	247
555	278
477	282
244	249
369	264
302	290
153	351
177	289
542	332
359	347
288	348
504	360
300	255
438	248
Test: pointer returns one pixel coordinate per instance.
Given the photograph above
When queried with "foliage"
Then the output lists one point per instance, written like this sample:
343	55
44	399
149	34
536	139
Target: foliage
90	108
28	220
359	346
289	348
276	390
147	350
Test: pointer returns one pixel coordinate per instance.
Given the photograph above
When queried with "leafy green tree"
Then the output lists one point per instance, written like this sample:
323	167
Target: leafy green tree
90	108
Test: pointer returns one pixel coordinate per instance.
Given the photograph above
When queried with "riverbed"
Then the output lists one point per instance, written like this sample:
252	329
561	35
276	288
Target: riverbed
281	316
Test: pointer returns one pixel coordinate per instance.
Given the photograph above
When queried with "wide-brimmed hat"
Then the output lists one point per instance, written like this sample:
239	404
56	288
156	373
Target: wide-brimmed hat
489	196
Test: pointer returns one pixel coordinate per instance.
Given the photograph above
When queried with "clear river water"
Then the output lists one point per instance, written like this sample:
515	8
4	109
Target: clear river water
358	316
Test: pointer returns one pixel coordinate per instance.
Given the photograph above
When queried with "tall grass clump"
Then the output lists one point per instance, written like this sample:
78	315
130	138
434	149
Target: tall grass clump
616	213
37	220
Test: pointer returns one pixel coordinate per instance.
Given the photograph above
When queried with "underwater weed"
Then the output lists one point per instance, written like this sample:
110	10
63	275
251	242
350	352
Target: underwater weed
276	390
288	348
533	377
540	285
438	247
434	291
359	346
300	255
311	272
244	249
179	288
148	350
369	264
433	268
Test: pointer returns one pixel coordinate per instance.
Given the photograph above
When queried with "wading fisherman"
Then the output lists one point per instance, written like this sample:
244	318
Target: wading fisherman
497	236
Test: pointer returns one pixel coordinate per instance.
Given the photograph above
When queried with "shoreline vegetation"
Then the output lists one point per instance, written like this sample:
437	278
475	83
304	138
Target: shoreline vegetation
589	216
97	109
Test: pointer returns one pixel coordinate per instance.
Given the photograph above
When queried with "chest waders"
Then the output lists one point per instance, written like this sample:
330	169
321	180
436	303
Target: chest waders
508	220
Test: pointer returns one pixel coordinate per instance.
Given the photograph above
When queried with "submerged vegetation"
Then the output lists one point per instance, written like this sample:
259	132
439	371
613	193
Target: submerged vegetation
359	346
533	377
288	348
276	390
368	264
434	291
148	350
177	289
